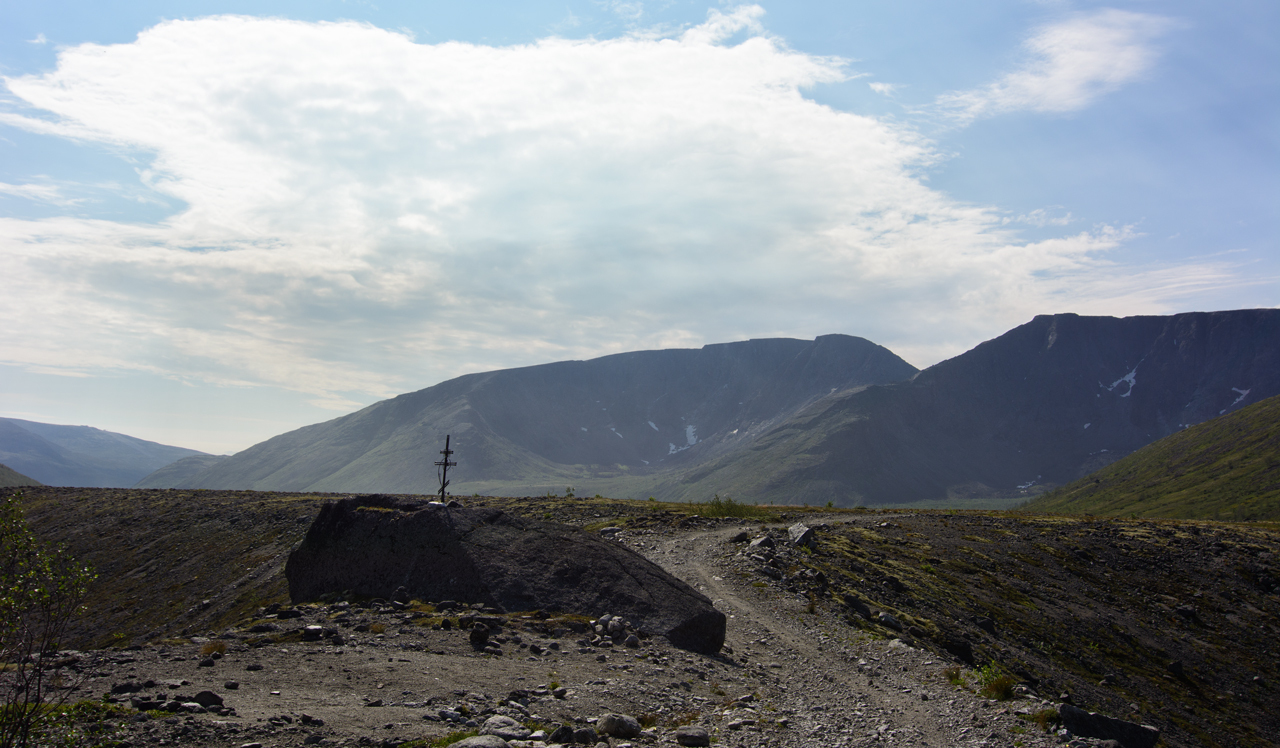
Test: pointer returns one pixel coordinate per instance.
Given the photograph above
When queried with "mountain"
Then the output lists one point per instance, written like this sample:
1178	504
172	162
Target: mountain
1225	468
81	455
609	424
1045	403
10	478
181	471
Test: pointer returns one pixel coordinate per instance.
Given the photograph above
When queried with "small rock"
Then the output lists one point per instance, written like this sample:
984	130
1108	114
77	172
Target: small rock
764	541
562	734
632	641
695	736
586	735
207	699
481	741
801	535
618	726
888	620
742	537
253	668
231	685
505	728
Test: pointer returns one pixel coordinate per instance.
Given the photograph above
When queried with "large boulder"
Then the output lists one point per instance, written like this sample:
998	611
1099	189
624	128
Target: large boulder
1094	725
372	545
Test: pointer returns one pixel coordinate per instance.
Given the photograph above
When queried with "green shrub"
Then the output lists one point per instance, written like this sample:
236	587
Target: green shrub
996	684
41	590
727	507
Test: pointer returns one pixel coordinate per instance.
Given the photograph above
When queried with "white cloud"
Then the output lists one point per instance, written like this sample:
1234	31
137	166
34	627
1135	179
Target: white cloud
38	40
366	214
1068	65
884	89
46	193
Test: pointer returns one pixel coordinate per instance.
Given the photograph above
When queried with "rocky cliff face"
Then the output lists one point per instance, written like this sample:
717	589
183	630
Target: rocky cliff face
374	545
1046	402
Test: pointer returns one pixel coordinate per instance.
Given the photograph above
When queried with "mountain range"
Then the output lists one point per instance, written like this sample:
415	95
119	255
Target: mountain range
81	455
836	419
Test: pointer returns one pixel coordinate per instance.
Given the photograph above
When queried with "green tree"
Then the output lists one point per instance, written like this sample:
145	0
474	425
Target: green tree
41	589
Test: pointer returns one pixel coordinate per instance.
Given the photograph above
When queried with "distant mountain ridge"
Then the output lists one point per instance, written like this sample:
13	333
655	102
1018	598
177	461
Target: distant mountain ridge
836	419
610	418
81	455
1046	402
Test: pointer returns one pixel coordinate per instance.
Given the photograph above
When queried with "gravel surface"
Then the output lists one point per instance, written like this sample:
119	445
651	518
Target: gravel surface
790	675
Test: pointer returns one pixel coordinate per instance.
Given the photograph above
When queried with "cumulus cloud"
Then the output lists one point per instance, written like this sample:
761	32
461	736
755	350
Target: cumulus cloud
365	214
1068	65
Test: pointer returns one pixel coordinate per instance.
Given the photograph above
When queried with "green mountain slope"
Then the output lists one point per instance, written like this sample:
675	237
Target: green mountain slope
10	478
1225	468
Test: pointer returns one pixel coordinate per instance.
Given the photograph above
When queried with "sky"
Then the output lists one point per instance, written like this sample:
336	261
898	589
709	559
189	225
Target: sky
220	221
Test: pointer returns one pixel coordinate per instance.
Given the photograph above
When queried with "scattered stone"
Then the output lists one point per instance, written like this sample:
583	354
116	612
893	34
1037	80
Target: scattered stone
587	735
762	542
801	535
742	537
505	728
231	685
562	734
888	620
693	736
479	635
618	726
481	741
207	699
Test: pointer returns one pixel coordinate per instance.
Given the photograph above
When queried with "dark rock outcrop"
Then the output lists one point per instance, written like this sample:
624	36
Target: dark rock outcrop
372	545
1093	725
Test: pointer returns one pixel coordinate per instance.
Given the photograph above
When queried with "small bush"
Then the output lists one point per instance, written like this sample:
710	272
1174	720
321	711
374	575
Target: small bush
647	720
1046	719
377	628
727	507
996	684
212	647
953	676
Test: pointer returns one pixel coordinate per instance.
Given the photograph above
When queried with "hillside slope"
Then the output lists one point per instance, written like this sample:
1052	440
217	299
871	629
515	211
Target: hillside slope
10	478
621	418
1045	403
81	455
179	472
1225	468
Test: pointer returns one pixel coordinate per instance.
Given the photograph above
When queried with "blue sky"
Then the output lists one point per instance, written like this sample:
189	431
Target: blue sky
220	221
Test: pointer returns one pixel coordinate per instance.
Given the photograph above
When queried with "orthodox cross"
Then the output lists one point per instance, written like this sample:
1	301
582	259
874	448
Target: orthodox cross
444	466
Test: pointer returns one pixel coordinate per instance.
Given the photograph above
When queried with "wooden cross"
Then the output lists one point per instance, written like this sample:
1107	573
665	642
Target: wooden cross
444	466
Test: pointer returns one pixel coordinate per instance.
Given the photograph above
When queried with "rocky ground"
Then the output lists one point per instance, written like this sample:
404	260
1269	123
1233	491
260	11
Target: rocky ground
801	667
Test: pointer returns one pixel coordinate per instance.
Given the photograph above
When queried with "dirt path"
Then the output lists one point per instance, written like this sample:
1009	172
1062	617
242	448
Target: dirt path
834	686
